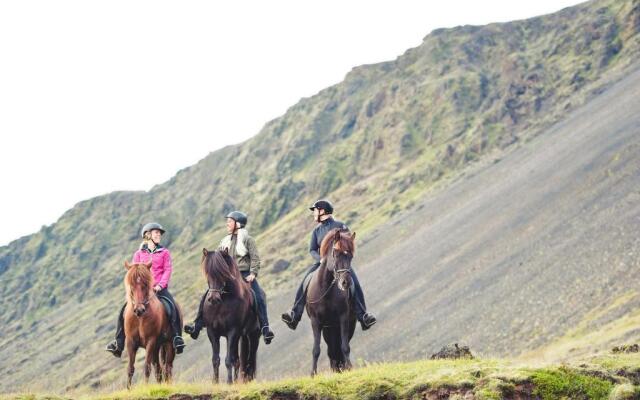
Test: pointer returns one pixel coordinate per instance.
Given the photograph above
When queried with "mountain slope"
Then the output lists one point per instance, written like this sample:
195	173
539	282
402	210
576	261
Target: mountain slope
376	143
522	251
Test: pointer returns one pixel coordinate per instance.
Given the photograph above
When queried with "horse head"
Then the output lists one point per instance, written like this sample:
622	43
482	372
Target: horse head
217	269
139	284
341	253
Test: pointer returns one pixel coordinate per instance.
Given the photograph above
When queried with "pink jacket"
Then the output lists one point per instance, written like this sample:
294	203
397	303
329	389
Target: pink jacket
160	264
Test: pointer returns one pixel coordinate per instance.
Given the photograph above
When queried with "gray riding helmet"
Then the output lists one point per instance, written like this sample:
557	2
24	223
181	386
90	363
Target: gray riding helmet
151	226
238	216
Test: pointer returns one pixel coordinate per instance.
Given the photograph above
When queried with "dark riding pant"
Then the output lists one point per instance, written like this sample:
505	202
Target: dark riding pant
301	295
120	328
176	323
260	300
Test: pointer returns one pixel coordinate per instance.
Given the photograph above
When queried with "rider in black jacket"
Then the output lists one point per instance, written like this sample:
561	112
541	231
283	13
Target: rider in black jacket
322	212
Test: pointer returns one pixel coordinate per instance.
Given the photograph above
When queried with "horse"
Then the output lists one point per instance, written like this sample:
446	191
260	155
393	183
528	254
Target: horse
146	324
329	304
229	312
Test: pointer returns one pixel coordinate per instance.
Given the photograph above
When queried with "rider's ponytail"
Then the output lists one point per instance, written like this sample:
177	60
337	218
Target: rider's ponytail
146	239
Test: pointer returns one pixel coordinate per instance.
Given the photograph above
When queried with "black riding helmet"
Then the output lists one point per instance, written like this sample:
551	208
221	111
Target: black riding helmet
238	216
323	205
151	226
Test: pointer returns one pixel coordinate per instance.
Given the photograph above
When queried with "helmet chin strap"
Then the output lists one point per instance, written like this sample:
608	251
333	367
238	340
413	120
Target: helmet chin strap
319	218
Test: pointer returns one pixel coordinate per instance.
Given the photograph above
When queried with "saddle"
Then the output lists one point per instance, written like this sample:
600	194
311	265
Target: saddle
169	307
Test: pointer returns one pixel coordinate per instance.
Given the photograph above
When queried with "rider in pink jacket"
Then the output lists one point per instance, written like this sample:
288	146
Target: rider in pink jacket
161	269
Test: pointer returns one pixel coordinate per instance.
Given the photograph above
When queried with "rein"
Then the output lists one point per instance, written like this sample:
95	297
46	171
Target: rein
336	272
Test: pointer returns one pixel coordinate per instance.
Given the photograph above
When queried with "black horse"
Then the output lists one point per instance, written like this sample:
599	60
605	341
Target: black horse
329	303
229	311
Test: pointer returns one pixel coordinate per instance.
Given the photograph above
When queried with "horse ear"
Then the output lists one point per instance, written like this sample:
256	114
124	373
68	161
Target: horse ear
337	235
127	266
147	264
353	236
225	251
205	252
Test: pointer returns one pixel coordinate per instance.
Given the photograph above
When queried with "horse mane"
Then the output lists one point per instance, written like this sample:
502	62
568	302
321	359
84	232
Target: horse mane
223	268
344	239
138	272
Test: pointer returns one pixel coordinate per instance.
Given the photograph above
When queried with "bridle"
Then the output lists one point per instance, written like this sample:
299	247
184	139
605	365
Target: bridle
145	303
337	275
219	290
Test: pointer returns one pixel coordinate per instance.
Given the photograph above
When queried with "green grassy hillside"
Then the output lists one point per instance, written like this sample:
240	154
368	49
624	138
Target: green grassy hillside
375	143
602	377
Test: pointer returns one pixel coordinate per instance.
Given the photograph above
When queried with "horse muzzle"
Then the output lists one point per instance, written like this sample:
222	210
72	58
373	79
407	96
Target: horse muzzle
139	311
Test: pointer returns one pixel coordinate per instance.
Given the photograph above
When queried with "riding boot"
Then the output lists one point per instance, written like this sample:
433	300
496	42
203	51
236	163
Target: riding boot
194	328
267	333
367	320
117	346
176	324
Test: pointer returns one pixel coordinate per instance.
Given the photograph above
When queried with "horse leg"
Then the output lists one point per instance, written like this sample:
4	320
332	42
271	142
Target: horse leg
243	358
151	350
169	356
157	364
315	326
232	354
131	350
344	342
252	362
215	359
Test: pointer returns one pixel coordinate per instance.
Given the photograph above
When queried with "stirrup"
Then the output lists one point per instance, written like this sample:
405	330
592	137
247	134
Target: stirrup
179	346
367	321
193	330
268	335
113	349
290	320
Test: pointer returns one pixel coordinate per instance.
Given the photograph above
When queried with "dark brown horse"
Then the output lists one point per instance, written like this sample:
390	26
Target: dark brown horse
229	311
329	303
146	324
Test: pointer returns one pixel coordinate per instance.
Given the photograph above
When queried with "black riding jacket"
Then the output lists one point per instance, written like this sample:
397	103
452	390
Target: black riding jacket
319	232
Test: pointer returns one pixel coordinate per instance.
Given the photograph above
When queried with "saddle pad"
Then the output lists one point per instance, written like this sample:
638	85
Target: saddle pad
168	306
307	280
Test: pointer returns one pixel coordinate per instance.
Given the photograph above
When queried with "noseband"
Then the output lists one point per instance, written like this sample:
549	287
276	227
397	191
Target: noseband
338	272
220	290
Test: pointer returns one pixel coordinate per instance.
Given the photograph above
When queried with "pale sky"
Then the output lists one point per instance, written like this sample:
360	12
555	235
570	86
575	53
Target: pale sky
98	96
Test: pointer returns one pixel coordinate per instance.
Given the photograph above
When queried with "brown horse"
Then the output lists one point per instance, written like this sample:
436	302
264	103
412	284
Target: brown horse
329	303
146	324
229	311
